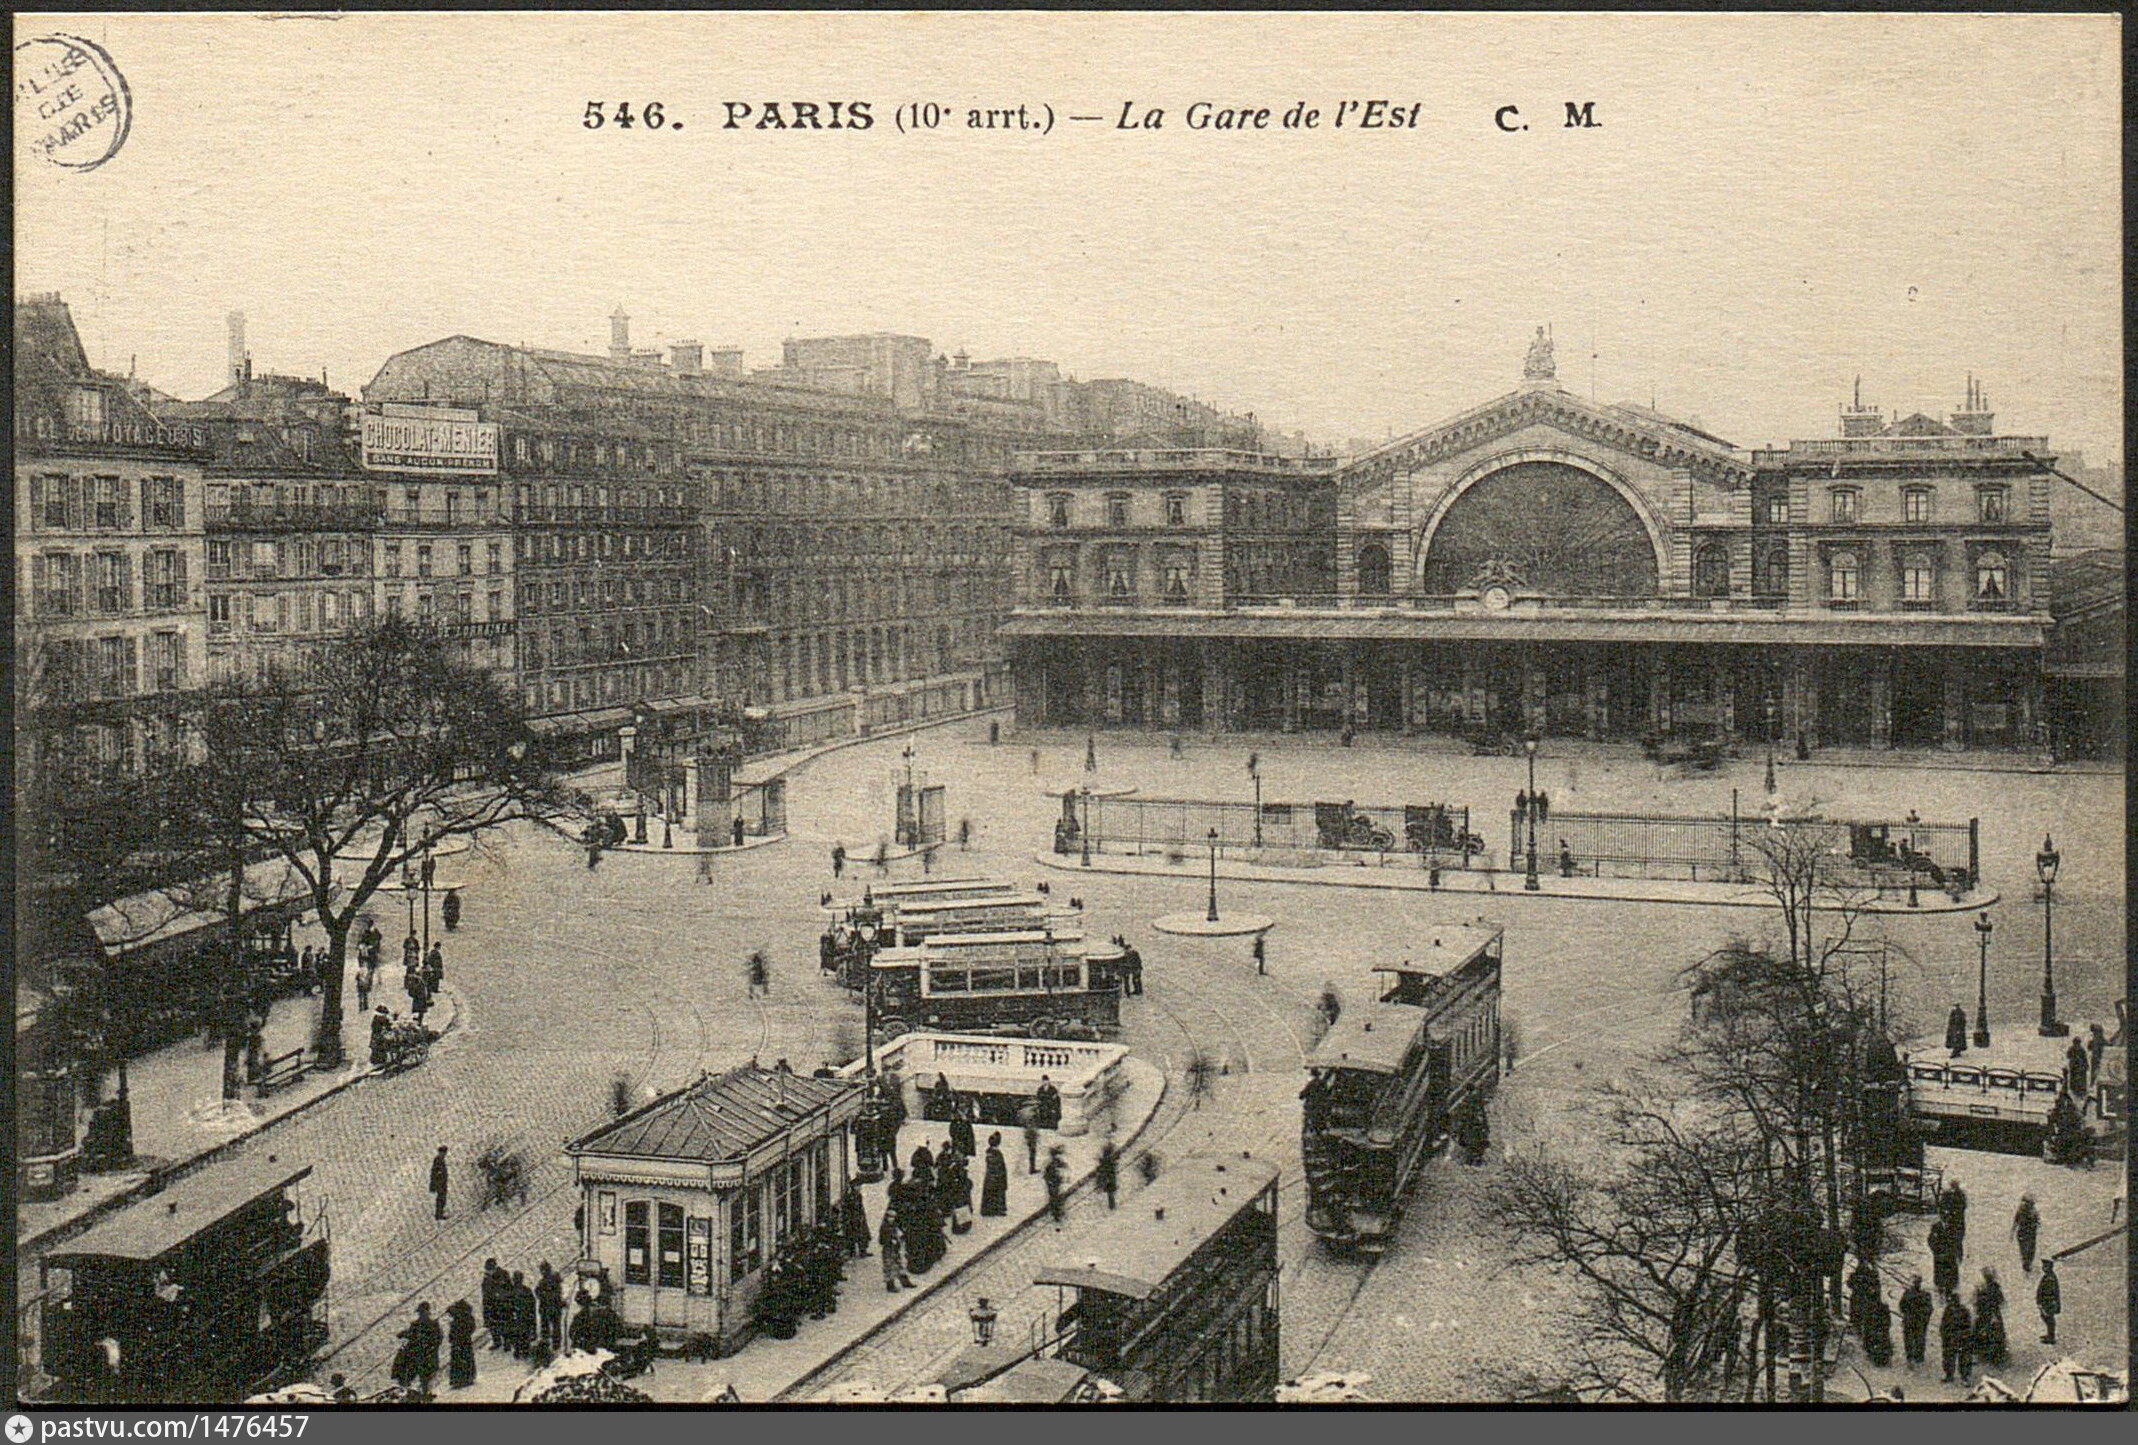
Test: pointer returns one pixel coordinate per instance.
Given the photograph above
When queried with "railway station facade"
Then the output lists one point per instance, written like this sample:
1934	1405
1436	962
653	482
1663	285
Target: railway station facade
1545	564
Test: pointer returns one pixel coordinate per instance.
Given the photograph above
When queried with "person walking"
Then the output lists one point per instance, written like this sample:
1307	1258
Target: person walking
2026	1229
1956	1031
1054	1174
838	859
760	969
854	1217
460	1340
2096	1050
434	969
1028	1117
1956	1339
1952	1208
961	1131
1049	1100
449	911
964	835
2078	1069
1991	1347
1108	1173
549	1305
1944	1259
524	1317
889	1245
1862	1289
995	1180
411	957
363	989
2049	1299
439	1181
954	1189
1261	955
419	995
1915	1311
415	1366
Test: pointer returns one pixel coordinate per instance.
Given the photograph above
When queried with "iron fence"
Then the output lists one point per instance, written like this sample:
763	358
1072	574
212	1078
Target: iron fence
1184	826
1888	856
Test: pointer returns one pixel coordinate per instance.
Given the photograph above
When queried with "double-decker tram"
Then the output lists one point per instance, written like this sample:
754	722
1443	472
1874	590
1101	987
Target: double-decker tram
1171	1300
207	1291
1388	1081
902	914
1038	982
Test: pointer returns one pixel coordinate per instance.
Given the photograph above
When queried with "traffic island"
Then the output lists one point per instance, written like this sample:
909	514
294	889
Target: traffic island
767	1369
1201	925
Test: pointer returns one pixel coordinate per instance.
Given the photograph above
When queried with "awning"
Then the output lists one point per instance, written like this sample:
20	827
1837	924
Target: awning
164	914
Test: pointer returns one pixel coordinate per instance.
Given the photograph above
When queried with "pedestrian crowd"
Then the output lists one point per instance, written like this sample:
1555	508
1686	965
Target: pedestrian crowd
521	1317
1971	1330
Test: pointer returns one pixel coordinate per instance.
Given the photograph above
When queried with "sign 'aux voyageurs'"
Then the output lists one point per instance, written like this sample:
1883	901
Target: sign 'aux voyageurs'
408	438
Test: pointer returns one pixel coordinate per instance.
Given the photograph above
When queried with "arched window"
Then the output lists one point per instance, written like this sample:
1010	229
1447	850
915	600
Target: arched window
1373	570
1993	578
1711	571
1770	574
1843	580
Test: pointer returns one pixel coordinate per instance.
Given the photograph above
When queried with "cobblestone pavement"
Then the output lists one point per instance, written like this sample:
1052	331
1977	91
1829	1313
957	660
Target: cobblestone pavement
570	977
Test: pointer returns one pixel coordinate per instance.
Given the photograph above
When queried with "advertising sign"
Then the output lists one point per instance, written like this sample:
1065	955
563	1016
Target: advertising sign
429	439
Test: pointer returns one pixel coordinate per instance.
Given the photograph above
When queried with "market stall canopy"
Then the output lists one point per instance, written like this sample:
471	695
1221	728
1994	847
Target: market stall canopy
144	920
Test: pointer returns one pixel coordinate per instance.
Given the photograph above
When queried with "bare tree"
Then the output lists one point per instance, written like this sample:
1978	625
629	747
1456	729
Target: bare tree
1651	1237
384	747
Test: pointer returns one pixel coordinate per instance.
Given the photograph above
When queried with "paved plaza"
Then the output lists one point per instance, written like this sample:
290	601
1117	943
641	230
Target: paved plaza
568	977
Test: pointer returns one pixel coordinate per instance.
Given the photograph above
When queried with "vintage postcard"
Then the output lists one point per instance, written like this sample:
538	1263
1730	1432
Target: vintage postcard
1051	708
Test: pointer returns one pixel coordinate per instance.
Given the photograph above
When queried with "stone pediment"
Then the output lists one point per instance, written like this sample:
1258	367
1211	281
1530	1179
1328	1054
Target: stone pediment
1637	433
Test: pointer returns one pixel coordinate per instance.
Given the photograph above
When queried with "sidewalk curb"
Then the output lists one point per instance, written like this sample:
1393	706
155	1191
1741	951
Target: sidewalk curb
792	1392
1373	879
158	1180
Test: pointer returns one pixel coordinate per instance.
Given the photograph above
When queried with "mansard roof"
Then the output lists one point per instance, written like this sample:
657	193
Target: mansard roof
1632	429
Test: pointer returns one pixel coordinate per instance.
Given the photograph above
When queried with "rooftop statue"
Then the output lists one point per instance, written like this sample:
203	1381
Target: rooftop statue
1538	365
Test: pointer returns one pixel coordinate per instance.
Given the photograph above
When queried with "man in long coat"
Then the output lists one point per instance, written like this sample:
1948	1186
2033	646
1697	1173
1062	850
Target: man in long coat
1956	1339
1944	1258
1049	1100
961	1135
1915	1311
549	1303
854	1217
493	1302
439	1183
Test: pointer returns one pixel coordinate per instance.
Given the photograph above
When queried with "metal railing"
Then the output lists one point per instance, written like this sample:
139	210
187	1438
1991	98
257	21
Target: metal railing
1183	826
1881	856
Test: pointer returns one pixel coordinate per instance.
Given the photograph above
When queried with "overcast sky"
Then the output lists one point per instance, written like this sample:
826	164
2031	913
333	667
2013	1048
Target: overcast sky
1770	206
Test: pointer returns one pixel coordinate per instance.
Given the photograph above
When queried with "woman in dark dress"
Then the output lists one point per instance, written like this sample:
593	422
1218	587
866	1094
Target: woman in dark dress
961	1136
1991	1346
995	1181
954	1190
941	1101
460	1341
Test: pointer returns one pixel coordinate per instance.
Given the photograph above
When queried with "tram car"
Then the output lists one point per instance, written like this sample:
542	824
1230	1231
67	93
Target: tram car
1171	1300
1037	983
937	904
1388	1081
209	1291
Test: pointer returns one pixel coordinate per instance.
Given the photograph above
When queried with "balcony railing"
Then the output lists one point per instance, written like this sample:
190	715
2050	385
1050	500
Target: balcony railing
1171	459
1872	448
292	518
504	628
540	514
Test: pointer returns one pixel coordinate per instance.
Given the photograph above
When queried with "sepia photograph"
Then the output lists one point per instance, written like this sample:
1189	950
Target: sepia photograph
1056	710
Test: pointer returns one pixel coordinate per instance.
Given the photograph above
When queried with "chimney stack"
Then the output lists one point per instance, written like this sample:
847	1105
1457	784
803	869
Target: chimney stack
686	358
619	335
240	359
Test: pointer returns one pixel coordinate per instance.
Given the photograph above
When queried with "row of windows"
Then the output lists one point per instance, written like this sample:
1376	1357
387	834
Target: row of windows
754	545
833	662
577	497
463	557
848	496
238	500
784	598
62	503
1918	504
599	546
435	606
101	584
582	593
1917	576
565	644
94	668
610	685
1118	509
286	611
292	557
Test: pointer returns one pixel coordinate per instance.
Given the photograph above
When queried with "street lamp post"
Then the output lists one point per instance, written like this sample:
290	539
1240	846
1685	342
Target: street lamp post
1530	801
1212	915
1084	834
2045	863
1254	770
1982	981
909	824
983	1319
430	866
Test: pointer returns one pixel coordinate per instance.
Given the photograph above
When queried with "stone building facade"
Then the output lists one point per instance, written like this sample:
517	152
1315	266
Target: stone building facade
1545	564
109	624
